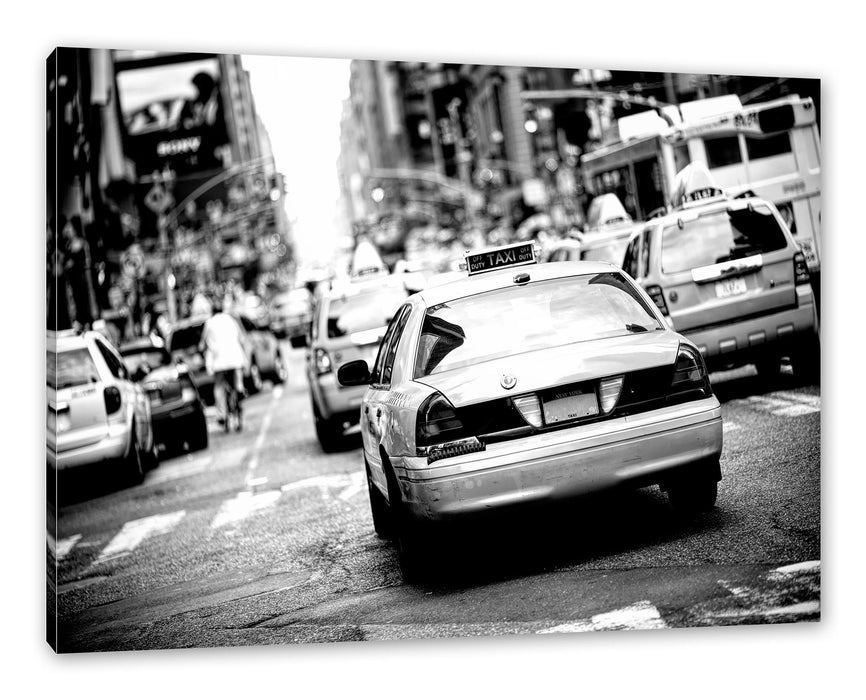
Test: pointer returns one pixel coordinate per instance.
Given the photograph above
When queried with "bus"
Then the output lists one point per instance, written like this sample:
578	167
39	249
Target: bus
770	149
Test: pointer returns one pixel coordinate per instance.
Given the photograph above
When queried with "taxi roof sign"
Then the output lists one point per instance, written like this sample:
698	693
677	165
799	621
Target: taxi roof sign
514	255
694	185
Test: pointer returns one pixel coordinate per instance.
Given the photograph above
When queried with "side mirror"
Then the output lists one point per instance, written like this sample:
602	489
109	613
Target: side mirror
354	373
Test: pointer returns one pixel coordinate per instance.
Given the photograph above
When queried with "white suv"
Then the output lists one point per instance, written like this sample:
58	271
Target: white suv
95	411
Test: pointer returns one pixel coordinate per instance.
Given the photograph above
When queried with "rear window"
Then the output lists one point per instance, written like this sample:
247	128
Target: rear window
70	368
145	357
364	311
183	338
721	237
514	320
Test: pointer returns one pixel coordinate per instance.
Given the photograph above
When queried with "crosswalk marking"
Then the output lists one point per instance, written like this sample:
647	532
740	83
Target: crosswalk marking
640	616
785	407
133	533
60	550
242	506
171	472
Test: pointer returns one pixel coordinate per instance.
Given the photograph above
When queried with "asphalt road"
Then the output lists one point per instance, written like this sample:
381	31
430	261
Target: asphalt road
264	539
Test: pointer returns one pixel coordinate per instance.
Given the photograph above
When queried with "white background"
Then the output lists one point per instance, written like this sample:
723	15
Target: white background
823	41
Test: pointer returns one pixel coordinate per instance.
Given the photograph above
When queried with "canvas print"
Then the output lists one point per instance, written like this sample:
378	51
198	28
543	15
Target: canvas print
356	350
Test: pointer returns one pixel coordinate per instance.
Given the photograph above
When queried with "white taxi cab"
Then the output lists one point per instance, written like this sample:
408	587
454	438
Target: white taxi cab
524	383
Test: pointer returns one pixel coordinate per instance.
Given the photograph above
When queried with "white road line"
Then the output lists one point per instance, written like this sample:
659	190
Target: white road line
353	488
133	533
242	506
807	399
60	550
806	608
781	407
730	426
785	572
170	472
640	616
325	481
258	481
278	392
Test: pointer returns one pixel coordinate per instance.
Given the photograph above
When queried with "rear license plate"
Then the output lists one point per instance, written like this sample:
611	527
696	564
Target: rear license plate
730	287
569	406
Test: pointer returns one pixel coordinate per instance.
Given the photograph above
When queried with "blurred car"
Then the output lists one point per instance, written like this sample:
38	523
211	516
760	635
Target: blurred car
291	313
253	307
525	384
96	413
266	359
563	250
728	274
177	410
184	344
348	322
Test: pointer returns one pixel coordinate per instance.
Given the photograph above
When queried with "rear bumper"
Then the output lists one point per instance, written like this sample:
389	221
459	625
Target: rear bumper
773	333
634	450
334	400
113	446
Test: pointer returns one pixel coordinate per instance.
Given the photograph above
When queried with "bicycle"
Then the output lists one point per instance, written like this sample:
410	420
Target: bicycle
234	410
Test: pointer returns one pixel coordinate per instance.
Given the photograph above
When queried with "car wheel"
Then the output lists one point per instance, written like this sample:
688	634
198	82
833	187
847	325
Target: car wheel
696	492
150	459
280	373
410	536
379	508
199	435
768	367
131	467
253	381
806	361
328	432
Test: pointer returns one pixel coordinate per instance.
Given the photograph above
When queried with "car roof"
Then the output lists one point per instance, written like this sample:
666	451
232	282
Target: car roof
498	279
711	207
140	344
60	342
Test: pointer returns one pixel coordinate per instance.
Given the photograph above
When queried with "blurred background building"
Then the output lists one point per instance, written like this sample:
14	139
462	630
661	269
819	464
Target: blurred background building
161	183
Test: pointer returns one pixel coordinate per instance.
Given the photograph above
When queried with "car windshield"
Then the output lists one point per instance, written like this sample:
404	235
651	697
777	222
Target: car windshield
720	237
145	357
188	337
364	311
514	320
70	368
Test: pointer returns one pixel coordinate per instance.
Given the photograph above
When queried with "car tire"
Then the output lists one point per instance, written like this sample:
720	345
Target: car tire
199	435
806	360
379	508
411	537
280	373
150	459
768	367
132	469
695	492
329	432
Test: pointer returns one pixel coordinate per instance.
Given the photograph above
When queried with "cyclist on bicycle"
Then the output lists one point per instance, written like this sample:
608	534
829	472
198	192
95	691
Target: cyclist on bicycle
225	355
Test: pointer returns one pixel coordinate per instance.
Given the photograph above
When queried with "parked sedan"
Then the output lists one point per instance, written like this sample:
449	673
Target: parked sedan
96	413
176	408
529	383
290	314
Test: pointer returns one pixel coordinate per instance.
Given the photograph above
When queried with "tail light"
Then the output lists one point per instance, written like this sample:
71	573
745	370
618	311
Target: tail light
113	400
655	293
529	408
609	390
437	422
323	361
690	372
801	269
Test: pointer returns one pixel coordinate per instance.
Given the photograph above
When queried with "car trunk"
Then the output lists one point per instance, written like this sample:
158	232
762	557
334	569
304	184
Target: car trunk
726	266
553	367
78	416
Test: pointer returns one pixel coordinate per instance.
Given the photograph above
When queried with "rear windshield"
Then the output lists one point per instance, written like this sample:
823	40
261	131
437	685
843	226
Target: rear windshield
183	338
520	319
70	368
145	357
612	252
364	311
720	237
